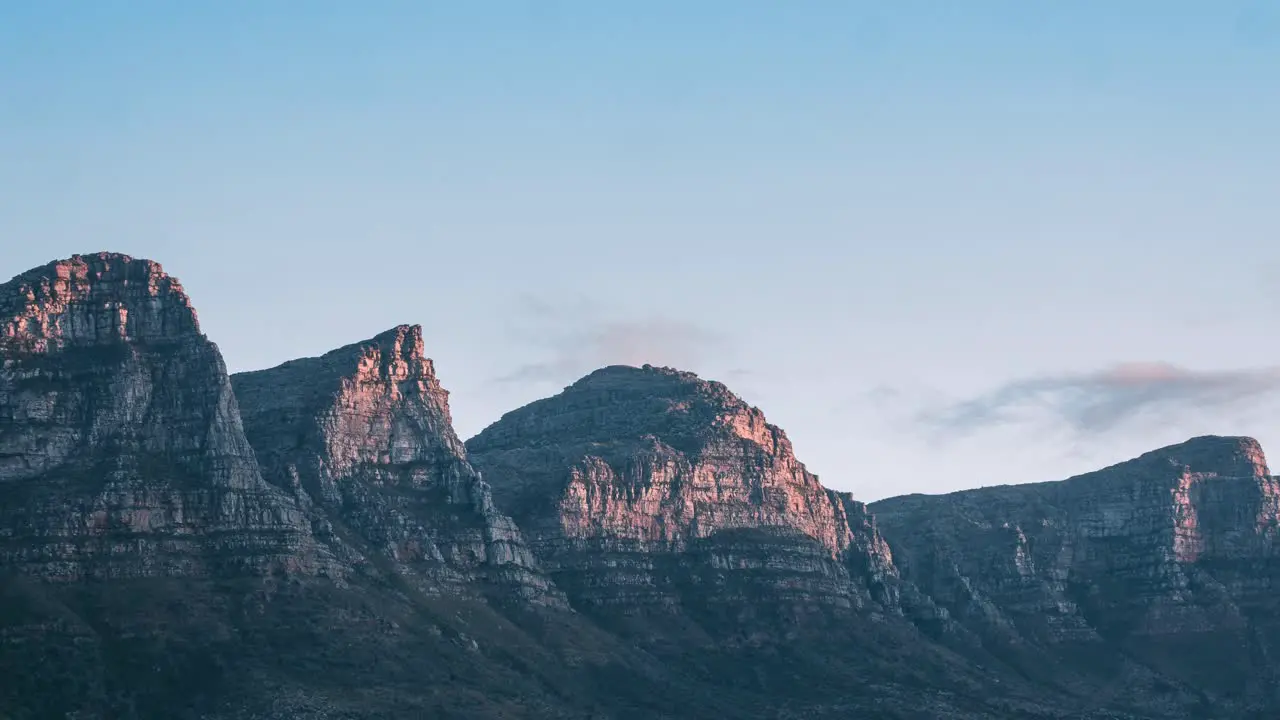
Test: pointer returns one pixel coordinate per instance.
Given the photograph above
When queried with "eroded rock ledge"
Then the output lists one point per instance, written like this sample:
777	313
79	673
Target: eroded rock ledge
121	448
651	487
1162	569
363	436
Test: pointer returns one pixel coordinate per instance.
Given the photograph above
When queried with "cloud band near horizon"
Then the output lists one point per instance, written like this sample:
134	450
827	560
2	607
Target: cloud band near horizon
1106	399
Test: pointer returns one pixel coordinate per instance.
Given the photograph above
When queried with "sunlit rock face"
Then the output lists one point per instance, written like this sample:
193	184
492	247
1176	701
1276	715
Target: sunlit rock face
363	437
121	448
146	567
643	544
1170	560
649	489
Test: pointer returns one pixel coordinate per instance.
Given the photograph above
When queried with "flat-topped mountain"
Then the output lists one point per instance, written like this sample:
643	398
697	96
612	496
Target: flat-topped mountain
314	541
1160	570
674	514
148	570
121	448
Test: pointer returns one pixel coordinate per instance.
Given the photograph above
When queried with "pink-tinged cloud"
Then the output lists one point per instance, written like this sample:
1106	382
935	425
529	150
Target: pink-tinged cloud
574	339
1105	399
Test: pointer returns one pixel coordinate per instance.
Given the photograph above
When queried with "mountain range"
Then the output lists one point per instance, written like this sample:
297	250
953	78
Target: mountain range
314	540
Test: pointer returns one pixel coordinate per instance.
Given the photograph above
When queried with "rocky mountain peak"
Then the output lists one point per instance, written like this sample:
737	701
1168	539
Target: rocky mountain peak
313	540
644	463
1214	454
101	298
649	381
624	404
121	448
400	354
388	370
1175	544
364	436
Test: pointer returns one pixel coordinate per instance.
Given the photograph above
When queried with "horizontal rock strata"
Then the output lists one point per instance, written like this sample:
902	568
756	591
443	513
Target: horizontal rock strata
1169	560
121	448
651	488
363	435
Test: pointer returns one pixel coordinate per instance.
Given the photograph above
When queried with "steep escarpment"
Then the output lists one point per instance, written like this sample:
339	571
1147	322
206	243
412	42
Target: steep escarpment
643	544
672	513
121	449
1159	571
128	493
651	488
363	436
146	568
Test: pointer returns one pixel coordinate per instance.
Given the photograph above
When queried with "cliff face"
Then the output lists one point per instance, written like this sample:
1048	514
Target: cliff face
1163	566
1146	587
121	449
671	513
651	489
146	568
128	494
352	562
363	437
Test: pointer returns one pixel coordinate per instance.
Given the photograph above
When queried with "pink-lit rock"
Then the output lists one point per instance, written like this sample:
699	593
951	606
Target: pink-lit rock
364	438
647	485
121	448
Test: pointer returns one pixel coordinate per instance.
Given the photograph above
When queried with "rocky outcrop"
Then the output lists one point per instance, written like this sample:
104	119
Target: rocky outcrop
673	514
121	449
1144	588
1162	568
648	489
147	569
363	436
337	554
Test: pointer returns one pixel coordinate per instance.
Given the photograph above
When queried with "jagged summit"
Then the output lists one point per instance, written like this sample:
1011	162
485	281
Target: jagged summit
363	435
100	298
395	359
405	337
400	344
388	373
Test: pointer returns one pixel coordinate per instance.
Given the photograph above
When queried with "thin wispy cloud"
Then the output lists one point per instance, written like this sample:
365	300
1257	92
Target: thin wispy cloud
1124	395
570	340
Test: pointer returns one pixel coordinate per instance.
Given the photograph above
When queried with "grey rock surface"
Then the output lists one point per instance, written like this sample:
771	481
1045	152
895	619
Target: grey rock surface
314	541
121	447
1160	572
652	487
363	436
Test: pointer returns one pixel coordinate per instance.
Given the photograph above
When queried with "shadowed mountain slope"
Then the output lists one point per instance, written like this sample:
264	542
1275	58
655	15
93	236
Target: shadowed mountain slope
314	541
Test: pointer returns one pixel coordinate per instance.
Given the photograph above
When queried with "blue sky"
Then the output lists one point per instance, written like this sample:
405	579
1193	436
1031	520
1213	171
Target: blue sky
941	244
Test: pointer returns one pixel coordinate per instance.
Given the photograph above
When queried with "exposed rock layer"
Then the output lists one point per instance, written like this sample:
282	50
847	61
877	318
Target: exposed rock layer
121	449
1164	567
363	435
649	487
147	569
152	564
